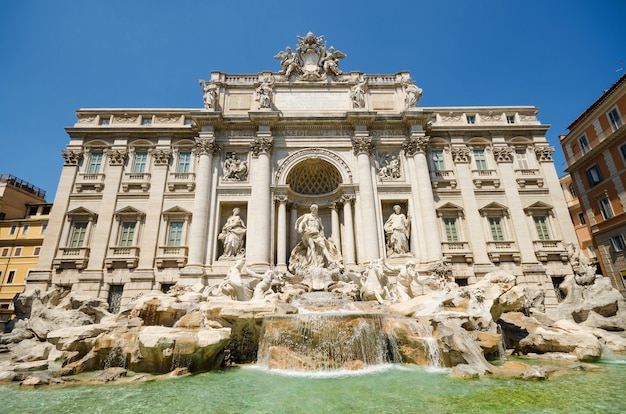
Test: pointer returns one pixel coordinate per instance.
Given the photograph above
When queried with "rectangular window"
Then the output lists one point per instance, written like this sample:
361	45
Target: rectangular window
175	234
17	251
594	177
451	231
572	190
77	236
581	218
10	277
471	119
32	211
541	224
25	228
36	250
480	159
13	230
521	160
184	162
46	210
105	121
115	298
146	121
617	243
127	234
615	119
605	208
139	165
438	161
584	144
510	119
5	251
495	226
95	161
43	229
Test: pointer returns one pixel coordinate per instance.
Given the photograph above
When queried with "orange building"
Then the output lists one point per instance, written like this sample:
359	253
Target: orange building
595	150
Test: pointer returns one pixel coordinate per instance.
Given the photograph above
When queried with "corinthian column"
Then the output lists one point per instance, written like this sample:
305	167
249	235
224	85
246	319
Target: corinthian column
348	237
281	232
415	150
260	207
362	144
205	148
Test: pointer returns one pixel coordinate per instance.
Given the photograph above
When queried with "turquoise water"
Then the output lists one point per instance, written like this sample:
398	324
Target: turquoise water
397	389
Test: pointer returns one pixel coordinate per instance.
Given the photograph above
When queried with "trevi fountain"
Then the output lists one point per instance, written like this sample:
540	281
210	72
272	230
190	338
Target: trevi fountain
393	333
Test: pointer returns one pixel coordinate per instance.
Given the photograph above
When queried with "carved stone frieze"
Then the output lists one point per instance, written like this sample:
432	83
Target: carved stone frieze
160	156
503	154
415	145
544	154
261	145
72	157
116	157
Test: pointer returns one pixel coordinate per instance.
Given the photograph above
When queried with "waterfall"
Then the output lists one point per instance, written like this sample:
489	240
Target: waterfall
326	341
116	356
501	345
433	352
181	356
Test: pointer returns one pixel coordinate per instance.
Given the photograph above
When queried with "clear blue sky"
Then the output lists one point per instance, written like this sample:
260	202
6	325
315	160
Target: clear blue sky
59	56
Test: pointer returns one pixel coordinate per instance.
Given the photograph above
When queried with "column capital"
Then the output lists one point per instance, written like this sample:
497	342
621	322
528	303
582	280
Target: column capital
72	157
347	198
161	156
460	154
261	145
363	145
116	156
503	154
544	153
206	146
415	145
281	198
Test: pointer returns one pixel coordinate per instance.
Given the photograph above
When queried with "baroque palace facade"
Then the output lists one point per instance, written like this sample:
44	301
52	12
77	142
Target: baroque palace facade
153	197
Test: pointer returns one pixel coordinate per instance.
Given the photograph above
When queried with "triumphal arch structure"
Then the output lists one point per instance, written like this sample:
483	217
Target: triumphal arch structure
305	164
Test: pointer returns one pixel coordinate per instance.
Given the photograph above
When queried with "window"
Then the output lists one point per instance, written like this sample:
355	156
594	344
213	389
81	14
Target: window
471	119
25	228
105	121
175	233
584	144
77	235
32	211
184	162
146	121
521	160
495	226
5	251
438	161
622	150
36	250
594	176
510	119
127	234
581	218
615	119
617	243
480	159
572	190
13	230
46	210
450	227
10	277
605	208
115	298
95	161
43	229
541	224
17	251
139	165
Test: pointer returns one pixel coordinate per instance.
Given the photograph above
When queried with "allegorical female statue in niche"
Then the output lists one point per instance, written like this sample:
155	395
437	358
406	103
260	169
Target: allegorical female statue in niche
232	236
397	230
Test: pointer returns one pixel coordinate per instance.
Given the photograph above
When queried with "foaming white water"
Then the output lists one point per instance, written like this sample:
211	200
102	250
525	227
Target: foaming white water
338	373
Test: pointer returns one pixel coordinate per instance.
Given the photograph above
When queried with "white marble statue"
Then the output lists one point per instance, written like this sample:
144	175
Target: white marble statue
209	94
412	94
232	236
374	282
357	93
264	93
234	168
389	167
233	285
397	231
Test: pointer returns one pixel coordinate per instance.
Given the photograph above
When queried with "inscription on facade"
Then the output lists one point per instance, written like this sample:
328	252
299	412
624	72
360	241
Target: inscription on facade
312	100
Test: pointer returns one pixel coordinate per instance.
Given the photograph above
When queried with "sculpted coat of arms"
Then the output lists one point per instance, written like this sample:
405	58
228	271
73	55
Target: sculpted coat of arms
311	61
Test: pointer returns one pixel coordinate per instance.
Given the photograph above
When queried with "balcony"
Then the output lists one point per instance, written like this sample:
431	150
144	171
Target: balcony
171	254
76	257
126	256
138	181
528	176
503	251
89	181
485	178
546	249
457	250
181	180
443	178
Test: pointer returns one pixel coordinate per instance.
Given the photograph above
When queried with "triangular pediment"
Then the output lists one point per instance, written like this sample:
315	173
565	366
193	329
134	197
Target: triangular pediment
176	211
129	211
81	211
538	206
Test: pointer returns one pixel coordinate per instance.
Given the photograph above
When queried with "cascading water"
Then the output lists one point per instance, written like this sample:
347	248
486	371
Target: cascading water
431	347
327	334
